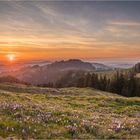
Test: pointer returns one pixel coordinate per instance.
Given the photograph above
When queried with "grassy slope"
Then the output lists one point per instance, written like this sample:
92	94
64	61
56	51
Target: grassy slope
25	112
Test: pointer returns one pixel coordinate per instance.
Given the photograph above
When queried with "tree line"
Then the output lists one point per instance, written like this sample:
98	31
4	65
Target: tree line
125	84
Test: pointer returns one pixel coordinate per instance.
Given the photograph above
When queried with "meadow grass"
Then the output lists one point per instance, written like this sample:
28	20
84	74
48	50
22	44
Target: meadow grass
68	113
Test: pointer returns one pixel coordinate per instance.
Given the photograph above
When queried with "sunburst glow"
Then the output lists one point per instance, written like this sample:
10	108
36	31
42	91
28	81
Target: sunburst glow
66	30
11	57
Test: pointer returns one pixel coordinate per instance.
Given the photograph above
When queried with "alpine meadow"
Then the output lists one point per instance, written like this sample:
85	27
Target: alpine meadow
69	69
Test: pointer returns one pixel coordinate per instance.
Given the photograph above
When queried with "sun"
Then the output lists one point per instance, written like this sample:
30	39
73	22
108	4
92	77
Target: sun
11	57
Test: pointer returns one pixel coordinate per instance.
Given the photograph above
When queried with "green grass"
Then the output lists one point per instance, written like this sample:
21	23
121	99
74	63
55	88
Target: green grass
68	113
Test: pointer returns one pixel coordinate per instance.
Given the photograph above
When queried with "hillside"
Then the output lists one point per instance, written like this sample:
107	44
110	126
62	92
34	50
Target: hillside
78	113
72	64
49	73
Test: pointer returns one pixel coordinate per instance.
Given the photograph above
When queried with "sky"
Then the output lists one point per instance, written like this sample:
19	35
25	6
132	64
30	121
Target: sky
92	30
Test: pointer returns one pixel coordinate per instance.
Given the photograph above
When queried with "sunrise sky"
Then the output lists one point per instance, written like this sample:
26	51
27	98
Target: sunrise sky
63	30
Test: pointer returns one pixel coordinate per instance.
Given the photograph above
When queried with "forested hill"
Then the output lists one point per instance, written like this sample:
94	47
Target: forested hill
76	73
49	73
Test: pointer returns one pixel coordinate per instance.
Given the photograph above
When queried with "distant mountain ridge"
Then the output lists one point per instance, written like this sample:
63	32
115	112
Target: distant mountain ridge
72	64
53	72
50	73
100	66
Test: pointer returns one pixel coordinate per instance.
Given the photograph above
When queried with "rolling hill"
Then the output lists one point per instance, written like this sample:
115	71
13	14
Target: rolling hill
49	73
